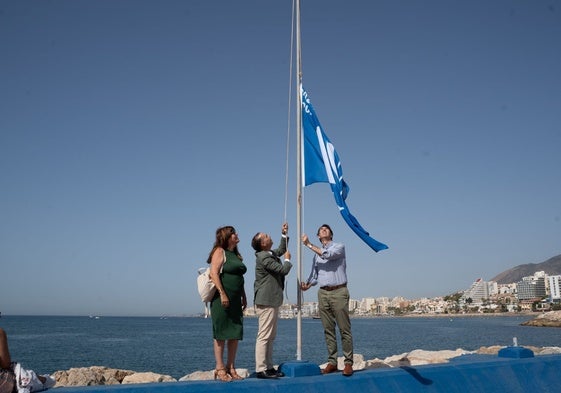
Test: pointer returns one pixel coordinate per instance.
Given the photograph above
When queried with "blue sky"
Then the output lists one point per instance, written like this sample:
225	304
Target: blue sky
131	130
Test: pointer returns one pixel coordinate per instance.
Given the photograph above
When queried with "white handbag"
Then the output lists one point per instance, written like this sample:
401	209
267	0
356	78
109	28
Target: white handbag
206	287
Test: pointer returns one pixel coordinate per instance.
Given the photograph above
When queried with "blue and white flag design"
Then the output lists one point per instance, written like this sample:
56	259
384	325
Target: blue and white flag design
321	164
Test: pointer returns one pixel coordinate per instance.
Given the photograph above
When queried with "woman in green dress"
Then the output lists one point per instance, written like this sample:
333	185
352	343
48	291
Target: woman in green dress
226	309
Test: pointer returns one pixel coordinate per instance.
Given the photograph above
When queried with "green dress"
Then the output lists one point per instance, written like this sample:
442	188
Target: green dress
227	323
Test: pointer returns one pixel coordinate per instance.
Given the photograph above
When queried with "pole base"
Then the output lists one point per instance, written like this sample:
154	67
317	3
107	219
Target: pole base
516	352
299	368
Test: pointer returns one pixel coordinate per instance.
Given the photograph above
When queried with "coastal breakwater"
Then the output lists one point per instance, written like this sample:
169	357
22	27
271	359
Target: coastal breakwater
424	371
99	375
103	376
473	373
548	319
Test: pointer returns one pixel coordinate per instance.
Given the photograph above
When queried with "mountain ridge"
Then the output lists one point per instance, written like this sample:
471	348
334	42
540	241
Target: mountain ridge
551	266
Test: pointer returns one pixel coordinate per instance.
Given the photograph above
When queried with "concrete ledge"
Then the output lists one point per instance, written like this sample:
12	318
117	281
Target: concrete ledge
476	374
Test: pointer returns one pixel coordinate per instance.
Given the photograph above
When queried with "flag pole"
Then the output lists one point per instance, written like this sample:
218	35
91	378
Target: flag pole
299	184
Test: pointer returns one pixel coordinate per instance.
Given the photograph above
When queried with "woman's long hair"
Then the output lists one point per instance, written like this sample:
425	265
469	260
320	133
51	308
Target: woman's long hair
222	236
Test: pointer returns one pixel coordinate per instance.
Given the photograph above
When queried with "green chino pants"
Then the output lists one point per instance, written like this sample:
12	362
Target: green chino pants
334	310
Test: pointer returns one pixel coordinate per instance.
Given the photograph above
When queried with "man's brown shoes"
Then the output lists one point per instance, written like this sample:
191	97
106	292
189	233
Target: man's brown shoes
348	370
330	368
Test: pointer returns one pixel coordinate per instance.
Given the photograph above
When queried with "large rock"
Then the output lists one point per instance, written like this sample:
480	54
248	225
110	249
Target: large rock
420	357
96	375
358	362
548	319
147	377
375	363
209	375
492	350
549	351
88	376
198	376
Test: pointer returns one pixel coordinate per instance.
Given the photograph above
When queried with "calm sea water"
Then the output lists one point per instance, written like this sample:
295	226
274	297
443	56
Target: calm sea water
179	346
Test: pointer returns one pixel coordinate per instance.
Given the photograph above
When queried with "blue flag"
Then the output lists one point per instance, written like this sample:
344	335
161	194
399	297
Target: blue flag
321	164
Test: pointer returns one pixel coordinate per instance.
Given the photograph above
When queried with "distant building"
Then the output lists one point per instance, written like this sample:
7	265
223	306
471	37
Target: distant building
366	306
507	289
554	289
479	291
354	305
399	302
506	301
310	309
532	287
493	287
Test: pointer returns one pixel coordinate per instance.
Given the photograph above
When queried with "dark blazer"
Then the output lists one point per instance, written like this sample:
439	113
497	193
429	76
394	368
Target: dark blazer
269	276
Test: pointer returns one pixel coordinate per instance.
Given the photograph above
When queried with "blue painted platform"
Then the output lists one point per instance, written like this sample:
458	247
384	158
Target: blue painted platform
513	371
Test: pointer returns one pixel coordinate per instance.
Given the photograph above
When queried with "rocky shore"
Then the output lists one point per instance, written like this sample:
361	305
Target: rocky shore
98	375
548	319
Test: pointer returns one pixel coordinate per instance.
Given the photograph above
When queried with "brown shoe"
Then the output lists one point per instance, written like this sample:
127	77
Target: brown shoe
348	370
330	368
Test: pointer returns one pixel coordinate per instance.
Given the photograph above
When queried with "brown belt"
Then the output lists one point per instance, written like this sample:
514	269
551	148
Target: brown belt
334	287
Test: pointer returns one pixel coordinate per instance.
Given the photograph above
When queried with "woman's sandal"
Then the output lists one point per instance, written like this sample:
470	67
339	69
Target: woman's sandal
222	375
234	374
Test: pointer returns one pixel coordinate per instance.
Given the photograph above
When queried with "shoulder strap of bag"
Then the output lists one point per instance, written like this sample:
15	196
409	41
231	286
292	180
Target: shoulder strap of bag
224	261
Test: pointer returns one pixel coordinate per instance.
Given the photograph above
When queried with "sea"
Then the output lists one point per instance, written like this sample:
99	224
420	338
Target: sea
178	346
